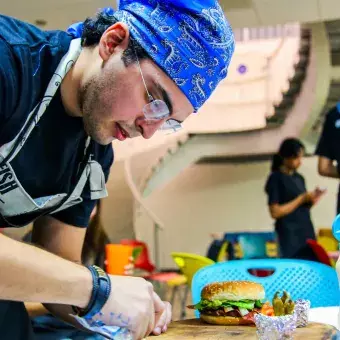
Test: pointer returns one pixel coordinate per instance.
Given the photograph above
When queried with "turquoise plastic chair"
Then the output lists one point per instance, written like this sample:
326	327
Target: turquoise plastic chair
253	246
336	228
302	279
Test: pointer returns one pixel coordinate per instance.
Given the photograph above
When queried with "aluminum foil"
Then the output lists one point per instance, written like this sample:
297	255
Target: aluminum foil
108	332
275	327
302	311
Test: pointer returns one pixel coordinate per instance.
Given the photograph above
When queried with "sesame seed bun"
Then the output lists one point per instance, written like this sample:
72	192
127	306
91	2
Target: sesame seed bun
233	291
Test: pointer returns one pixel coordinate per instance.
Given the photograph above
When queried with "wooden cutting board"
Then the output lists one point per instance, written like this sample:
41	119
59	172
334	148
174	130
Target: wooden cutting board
196	329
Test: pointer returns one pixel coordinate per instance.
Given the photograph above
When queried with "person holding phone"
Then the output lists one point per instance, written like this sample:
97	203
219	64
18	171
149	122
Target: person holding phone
289	202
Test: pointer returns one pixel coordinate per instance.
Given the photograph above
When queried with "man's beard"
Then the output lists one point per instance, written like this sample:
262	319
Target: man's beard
88	99
95	130
90	95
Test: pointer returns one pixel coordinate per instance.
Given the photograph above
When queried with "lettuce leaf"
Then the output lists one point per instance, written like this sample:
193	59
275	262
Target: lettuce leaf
216	304
241	304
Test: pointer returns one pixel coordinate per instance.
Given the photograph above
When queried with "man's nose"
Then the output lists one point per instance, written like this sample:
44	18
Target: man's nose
149	127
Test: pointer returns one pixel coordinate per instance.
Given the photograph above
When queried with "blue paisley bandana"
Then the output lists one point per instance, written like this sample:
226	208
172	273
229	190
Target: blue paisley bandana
191	40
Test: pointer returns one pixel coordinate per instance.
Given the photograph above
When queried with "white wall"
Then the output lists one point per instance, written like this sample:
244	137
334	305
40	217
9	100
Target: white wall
220	198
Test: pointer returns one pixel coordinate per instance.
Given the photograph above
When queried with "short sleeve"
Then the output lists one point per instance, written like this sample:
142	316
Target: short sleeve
79	214
272	189
303	183
324	147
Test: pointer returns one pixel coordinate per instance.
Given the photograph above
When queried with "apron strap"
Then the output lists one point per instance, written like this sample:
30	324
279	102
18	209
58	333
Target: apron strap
9	150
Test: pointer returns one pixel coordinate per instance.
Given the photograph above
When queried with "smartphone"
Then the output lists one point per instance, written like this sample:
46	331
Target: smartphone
321	190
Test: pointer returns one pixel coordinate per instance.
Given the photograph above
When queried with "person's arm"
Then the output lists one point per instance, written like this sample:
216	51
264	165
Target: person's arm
325	149
47	233
274	188
32	274
35	309
131	297
278	211
28	273
65	241
327	168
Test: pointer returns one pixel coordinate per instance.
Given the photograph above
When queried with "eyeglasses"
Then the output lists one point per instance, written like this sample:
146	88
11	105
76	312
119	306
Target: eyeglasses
157	109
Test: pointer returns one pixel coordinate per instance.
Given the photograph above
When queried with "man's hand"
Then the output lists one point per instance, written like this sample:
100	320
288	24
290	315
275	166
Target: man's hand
162	319
134	305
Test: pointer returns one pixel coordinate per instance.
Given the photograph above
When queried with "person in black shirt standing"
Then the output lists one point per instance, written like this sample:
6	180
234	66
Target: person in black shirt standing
289	202
328	148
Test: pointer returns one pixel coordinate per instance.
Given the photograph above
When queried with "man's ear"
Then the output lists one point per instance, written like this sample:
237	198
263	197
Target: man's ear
115	38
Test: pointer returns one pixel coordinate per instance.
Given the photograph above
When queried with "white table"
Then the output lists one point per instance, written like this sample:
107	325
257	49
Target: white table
329	315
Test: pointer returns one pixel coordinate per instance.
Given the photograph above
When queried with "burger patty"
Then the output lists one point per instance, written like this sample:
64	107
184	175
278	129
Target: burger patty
221	312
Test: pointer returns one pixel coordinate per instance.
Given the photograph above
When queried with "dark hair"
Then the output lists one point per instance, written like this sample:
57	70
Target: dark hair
289	148
94	28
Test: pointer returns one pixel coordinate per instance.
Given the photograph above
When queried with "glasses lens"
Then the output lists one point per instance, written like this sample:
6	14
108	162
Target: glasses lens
156	110
171	125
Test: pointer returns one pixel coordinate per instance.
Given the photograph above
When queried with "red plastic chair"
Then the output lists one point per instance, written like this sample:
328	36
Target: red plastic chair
143	262
319	252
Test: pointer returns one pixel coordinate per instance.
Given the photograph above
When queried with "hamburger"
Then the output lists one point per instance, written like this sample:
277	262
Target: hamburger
230	303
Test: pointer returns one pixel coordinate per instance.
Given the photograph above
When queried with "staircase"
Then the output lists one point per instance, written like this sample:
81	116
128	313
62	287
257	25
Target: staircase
193	147
288	99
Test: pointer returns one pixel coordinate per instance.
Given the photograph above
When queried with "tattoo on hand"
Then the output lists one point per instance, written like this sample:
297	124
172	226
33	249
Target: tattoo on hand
98	322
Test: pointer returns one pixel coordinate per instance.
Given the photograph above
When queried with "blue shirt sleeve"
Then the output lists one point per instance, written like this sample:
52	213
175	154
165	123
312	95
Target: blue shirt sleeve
79	214
273	189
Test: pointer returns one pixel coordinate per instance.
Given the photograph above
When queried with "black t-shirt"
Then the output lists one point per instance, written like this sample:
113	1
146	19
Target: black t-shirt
282	188
48	162
329	142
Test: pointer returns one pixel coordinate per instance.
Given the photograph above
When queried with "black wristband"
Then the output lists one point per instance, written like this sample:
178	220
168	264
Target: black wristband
100	293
